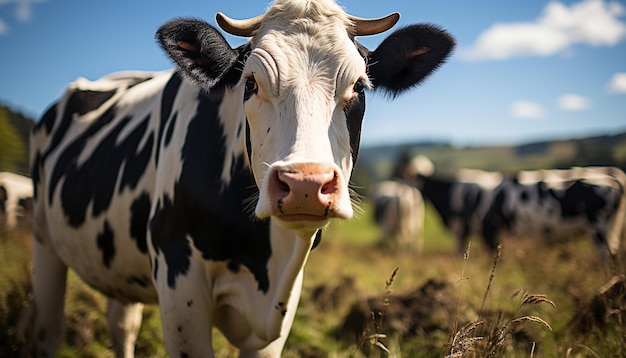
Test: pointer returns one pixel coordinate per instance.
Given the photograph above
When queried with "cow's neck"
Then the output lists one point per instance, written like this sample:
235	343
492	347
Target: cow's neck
274	309
293	253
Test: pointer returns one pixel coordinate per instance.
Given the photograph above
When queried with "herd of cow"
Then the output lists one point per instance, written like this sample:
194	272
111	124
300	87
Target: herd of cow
551	205
204	188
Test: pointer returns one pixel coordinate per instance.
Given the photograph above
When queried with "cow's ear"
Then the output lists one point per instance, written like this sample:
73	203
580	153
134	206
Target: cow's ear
405	58
199	50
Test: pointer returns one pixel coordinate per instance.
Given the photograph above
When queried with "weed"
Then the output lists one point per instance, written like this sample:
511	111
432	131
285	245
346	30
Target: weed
373	330
489	337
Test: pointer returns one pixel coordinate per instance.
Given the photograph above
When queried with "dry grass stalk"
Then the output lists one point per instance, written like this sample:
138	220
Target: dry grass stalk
376	320
587	349
499	337
460	282
492	274
476	339
464	341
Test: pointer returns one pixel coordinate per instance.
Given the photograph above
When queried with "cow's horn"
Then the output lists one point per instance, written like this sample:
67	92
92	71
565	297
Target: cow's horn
244	28
365	27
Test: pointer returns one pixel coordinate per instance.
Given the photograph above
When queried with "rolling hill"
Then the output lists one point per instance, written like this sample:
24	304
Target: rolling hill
376	163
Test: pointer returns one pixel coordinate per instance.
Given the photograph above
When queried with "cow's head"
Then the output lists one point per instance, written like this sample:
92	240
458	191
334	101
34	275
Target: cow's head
301	80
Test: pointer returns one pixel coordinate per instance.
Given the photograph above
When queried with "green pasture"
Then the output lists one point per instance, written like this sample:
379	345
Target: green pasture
350	264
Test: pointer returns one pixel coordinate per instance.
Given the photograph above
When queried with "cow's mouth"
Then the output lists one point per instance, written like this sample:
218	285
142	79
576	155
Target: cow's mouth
302	217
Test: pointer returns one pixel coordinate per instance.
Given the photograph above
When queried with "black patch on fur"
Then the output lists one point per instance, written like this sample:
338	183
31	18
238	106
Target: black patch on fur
139	214
213	215
382	205
581	199
93	182
3	198
79	103
47	121
170	130
167	104
248	142
169	238
524	196
35	173
106	244
355	111
439	192
317	240
155	268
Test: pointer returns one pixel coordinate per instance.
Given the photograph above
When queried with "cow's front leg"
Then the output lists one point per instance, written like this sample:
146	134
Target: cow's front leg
598	235
186	311
124	323
49	283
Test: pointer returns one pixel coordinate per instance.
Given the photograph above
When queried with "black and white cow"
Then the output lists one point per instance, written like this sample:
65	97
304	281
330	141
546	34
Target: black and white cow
548	204
560	204
461	200
16	195
204	188
399	213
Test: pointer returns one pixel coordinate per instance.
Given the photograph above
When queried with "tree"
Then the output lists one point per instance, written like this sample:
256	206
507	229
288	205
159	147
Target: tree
12	146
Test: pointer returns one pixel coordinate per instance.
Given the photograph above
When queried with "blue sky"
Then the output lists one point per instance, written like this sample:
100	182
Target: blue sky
522	71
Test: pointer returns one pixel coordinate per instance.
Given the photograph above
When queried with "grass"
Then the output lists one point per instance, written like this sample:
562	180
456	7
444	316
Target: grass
471	299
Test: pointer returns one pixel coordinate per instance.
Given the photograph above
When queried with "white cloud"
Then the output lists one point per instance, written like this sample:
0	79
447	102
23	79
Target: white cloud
527	110
590	22
573	102
618	83
23	11
4	29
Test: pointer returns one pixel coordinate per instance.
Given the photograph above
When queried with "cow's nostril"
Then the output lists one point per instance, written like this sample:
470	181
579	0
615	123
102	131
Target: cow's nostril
280	185
283	186
329	187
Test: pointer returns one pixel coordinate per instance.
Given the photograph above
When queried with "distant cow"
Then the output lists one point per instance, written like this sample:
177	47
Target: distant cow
204	188
16	195
461	200
399	212
551	204
560	204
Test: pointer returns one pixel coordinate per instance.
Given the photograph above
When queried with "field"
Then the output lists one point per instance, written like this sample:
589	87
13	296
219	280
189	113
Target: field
531	300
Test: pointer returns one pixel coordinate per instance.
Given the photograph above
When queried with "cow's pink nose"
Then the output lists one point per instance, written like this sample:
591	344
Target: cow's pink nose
304	191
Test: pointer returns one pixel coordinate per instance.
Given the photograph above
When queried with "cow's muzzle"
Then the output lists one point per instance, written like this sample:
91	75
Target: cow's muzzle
306	192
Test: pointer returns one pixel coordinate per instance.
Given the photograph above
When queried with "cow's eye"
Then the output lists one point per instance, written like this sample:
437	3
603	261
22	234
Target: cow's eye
359	86
251	87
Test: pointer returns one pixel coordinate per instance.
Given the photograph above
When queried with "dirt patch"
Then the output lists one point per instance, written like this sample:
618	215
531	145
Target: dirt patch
327	297
605	308
432	306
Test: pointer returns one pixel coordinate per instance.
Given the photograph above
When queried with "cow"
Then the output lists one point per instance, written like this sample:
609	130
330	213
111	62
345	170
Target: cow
204	188
550	204
399	213
16	195
461	199
559	204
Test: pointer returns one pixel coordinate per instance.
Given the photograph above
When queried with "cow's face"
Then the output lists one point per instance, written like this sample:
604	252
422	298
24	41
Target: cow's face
304	102
301	80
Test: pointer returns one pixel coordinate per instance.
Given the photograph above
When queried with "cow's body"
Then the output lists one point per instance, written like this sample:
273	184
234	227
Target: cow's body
549	204
399	213
556	205
16	194
461	201
204	188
